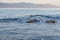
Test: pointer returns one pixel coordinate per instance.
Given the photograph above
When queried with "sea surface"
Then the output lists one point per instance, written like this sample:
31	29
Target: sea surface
28	31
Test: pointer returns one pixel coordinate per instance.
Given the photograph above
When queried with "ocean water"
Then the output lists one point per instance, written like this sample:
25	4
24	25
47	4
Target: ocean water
28	31
17	12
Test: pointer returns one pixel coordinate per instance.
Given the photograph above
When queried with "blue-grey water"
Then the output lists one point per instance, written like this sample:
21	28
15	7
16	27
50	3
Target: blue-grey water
28	31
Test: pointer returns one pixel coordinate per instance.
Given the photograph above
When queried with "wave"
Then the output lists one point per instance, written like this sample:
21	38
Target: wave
33	18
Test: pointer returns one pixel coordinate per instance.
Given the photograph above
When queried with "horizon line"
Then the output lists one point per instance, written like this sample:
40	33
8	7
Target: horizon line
31	3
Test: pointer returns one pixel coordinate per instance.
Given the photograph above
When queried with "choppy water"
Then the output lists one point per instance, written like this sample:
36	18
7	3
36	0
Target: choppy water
26	31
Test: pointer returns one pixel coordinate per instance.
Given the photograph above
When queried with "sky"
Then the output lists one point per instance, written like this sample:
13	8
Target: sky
53	2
